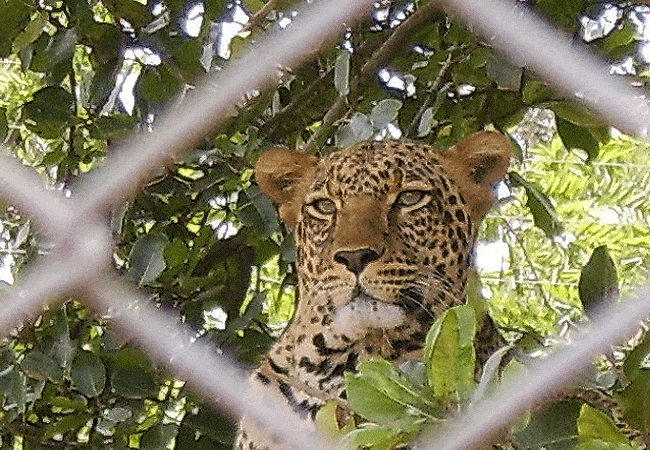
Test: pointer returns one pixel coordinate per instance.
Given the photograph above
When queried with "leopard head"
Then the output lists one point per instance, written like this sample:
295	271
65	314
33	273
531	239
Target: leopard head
383	230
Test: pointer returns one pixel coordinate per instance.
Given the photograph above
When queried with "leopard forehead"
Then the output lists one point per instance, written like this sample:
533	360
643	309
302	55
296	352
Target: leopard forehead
378	168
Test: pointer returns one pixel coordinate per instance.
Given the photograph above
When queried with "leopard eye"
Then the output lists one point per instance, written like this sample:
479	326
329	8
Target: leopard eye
324	206
410	198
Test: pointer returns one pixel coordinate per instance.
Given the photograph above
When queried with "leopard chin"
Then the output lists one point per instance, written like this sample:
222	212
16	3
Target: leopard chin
363	313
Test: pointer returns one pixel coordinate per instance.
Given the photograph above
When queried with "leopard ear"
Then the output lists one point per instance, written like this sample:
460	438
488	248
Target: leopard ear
478	163
284	175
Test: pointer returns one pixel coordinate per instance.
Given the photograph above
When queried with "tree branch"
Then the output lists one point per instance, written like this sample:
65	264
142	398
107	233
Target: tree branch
393	45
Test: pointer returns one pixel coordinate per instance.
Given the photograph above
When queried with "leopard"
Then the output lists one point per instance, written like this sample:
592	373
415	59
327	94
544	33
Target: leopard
385	233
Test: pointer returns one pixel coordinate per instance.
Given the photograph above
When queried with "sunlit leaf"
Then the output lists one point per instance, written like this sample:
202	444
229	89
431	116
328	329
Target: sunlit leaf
594	424
449	354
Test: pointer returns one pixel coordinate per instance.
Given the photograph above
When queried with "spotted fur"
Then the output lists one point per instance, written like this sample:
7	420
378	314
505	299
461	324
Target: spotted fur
384	238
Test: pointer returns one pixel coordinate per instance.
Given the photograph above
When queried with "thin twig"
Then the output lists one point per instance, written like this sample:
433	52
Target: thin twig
260	15
432	92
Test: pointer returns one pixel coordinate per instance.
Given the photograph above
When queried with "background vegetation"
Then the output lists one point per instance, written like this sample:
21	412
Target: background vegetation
79	76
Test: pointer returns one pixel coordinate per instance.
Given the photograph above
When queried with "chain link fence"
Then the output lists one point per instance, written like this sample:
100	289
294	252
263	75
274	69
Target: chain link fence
79	264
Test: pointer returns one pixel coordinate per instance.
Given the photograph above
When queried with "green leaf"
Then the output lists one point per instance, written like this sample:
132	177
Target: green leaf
13	386
41	366
563	13
328	420
51	110
634	400
595	424
449	354
619	38
176	252
501	70
597	444
598	285
15	14
88	374
158	84
358	129
65	424
75	402
426	122
342	72
31	32
553	428
4	126
572	112
372	437
370	402
574	136
132	375
539	205
384	113
158	437
147	261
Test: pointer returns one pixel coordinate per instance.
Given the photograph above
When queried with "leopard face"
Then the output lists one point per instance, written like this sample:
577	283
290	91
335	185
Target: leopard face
384	238
383	230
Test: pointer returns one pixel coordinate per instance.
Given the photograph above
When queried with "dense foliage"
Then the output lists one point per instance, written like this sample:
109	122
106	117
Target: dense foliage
78	76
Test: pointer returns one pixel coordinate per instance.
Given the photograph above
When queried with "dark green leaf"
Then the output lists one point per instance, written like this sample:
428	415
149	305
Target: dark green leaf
158	437
15	14
13	386
52	109
539	205
553	428
4	126
574	136
88	374
39	365
132	375
158	84
503	72
597	444
146	261
563	13
598	285
65	424
573	113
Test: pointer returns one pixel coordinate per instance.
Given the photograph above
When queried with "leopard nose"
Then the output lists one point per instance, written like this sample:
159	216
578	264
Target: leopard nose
356	260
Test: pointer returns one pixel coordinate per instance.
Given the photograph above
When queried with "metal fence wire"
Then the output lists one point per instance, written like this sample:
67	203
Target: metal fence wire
79	264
